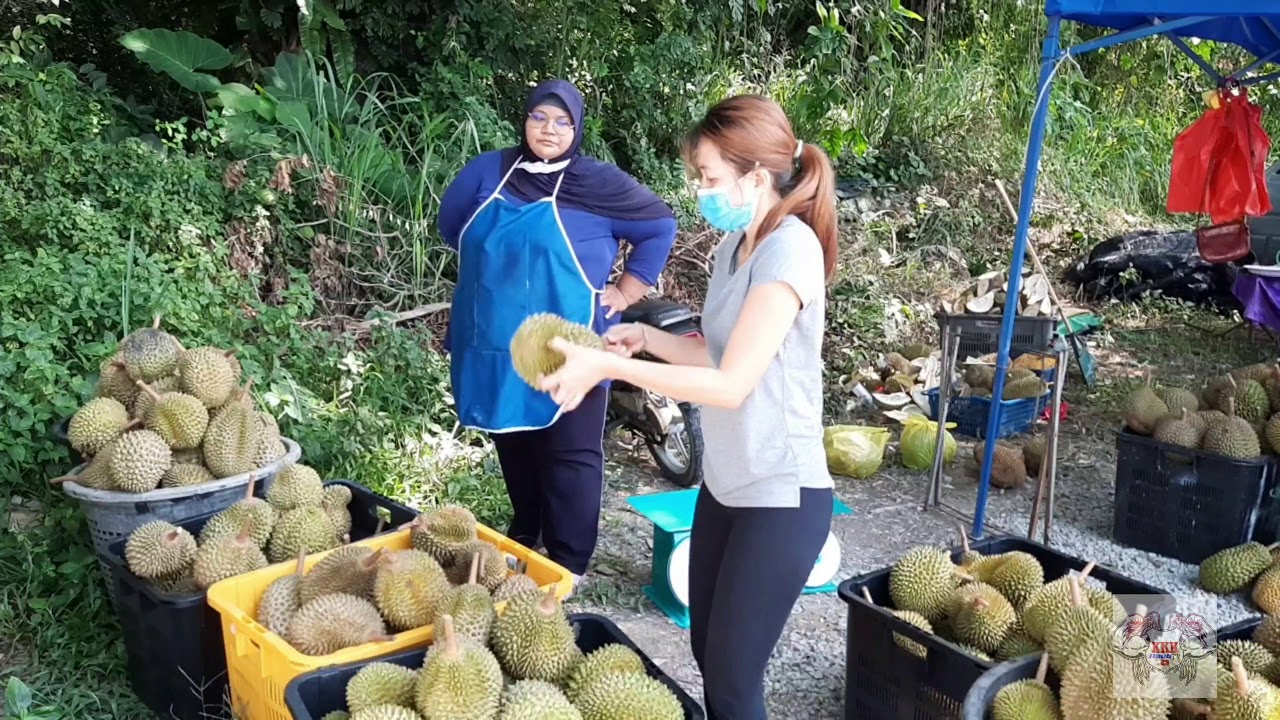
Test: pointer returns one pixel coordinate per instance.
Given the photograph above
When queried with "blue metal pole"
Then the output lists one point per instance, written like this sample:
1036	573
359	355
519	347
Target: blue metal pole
1048	58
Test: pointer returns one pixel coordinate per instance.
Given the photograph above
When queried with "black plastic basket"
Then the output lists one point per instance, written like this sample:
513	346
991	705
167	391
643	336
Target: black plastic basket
1182	503
175	653
886	682
980	334
312	695
977	703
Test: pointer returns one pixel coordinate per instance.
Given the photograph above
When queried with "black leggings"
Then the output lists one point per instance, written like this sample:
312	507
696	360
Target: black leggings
747	567
555	477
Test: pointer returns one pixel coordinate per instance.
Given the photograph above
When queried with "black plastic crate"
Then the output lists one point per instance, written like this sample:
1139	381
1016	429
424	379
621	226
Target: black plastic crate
1183	503
977	703
980	334
312	695
886	682
173	642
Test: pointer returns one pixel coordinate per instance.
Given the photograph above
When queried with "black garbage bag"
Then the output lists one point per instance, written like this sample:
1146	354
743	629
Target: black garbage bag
1165	262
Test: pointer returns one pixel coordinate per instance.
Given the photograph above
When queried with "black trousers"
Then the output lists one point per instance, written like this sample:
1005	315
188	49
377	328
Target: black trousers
555	479
747	567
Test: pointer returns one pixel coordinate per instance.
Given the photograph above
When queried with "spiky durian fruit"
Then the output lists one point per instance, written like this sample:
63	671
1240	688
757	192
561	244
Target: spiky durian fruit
628	696
514	585
295	486
611	658
1232	569
349	569
409	588
139	458
529	352
1029	699
280	600
306	528
227	556
177	417
185	475
206	375
492	561
470	606
231	441
536	700
258	512
150	353
442	531
381	683
114	381
459	679
333	622
96	424
534	640
158	549
922	580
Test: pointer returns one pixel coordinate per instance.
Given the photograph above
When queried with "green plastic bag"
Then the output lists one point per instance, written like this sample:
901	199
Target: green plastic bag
854	450
919	443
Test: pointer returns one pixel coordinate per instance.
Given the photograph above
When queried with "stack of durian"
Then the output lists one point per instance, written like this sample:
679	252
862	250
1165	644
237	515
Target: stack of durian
299	516
1012	463
167	417
1237	415
1021	380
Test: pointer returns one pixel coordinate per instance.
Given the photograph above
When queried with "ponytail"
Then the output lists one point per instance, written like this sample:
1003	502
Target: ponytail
753	131
811	196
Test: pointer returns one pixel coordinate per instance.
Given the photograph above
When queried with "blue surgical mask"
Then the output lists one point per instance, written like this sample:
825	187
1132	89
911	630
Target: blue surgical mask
715	206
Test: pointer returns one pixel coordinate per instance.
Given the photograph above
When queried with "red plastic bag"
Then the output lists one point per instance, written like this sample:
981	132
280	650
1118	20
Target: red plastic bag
1219	163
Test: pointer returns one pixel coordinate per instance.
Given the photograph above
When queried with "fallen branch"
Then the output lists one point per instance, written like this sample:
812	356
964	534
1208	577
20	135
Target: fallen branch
420	311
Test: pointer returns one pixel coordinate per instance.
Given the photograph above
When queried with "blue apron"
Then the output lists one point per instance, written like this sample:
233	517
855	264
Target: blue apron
513	261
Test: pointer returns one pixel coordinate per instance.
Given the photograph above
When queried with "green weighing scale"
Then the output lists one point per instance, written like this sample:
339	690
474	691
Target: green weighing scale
672	516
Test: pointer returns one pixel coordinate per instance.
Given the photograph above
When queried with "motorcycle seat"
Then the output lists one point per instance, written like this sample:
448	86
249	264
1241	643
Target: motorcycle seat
657	312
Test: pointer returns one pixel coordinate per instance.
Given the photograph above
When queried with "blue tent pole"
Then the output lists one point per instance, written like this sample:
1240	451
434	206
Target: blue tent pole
1048	59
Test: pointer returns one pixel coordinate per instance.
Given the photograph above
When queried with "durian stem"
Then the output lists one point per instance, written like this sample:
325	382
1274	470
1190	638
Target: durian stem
253	481
414	524
171	536
377	530
1043	670
1087	569
548	602
866	594
1146	377
245	527
133	423
302	563
475	569
964	576
1242	677
1077	597
450	642
980	603
147	389
155	323
964	538
64	478
371	561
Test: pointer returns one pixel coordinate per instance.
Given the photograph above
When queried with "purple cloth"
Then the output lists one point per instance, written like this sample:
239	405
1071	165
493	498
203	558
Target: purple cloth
1260	297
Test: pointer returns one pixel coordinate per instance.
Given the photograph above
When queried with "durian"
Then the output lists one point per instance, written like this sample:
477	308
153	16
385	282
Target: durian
177	417
471	607
922	581
442	531
280	600
1232	569
333	622
150	353
350	569
1234	438
1027	699
492	562
536	700
258	512
1142	408
409	588
610	658
206	375
533	639
95	424
628	696
139	458
231	442
295	486
227	556
459	678
158	548
530	355
381	683
305	529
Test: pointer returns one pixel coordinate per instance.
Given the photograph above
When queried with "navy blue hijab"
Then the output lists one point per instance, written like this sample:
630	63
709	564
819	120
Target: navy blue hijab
589	184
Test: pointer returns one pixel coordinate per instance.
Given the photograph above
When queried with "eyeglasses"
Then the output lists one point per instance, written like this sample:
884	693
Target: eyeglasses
561	125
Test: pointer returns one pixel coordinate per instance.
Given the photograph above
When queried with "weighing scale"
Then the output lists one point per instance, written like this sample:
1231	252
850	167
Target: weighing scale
672	516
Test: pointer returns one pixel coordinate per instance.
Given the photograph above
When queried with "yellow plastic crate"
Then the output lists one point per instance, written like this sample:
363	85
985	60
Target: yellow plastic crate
260	663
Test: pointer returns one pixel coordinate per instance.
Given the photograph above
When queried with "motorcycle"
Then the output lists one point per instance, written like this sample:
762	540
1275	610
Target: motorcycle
671	430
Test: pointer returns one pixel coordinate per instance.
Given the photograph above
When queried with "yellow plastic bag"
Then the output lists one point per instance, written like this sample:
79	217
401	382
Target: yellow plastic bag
854	450
919	443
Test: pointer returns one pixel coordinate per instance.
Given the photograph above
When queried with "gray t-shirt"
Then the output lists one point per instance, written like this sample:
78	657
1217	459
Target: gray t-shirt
764	452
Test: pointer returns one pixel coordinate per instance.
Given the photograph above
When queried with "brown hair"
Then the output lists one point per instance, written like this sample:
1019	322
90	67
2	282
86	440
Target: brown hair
750	130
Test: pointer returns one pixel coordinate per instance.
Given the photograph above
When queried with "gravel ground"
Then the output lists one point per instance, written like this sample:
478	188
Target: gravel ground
806	675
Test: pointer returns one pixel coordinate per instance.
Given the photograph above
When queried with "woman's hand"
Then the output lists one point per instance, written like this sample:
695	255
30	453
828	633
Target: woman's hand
614	300
626	340
583	369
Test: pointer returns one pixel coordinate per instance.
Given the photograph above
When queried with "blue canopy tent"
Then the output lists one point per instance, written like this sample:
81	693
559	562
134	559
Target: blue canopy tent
1251	24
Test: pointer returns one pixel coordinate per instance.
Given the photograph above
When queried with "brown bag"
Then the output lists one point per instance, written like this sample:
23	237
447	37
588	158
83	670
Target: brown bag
1223	243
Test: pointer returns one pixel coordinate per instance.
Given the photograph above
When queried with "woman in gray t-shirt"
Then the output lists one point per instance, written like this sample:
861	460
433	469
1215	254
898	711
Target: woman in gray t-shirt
764	509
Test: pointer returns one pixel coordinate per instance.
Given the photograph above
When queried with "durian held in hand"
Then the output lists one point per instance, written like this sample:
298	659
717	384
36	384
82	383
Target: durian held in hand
531	669
1237	415
300	515
531	355
166	417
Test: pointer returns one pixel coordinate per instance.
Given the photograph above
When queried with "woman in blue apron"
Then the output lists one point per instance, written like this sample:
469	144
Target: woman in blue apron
764	509
537	229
